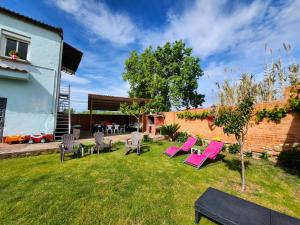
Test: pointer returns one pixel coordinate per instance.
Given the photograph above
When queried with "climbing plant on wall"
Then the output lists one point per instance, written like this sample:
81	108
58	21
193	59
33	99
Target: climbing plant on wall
193	115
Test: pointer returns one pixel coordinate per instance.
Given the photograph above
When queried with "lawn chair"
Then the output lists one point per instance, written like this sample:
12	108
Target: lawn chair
133	143
100	144
186	147
225	209
211	152
68	145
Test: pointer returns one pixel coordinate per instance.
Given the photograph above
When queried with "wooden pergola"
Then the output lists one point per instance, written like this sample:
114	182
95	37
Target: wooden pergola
110	103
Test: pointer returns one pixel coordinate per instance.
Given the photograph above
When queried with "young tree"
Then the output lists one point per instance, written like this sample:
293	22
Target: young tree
135	110
235	120
168	75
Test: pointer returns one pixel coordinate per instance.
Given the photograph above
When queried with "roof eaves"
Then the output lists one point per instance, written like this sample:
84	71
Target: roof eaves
57	30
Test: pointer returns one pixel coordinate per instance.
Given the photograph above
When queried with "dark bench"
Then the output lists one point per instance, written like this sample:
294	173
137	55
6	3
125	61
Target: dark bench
223	208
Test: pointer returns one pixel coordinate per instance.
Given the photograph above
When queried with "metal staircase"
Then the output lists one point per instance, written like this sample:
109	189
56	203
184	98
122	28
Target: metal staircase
63	118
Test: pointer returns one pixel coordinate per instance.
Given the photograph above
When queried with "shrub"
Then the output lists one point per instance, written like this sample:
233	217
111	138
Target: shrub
290	158
248	154
146	138
234	148
264	155
181	136
199	140
170	130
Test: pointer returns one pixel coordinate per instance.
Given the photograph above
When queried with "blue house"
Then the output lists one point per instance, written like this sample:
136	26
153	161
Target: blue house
32	56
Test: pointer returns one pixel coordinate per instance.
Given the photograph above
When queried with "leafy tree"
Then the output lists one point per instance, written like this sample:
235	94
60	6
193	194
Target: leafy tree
135	110
167	74
235	120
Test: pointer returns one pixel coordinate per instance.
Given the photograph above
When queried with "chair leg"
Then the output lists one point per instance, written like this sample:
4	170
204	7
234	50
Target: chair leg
197	217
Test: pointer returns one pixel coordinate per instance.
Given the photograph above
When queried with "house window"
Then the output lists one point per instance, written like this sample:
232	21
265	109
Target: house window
14	42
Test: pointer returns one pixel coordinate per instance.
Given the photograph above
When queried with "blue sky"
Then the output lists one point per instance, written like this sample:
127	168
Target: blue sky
223	33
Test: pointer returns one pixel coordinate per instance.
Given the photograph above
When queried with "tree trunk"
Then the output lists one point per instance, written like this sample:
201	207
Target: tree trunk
241	143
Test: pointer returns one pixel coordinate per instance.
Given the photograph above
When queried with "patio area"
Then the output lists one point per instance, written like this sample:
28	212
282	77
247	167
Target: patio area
13	150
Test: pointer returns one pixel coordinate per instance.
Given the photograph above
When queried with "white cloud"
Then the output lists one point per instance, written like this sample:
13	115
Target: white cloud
208	26
99	20
73	79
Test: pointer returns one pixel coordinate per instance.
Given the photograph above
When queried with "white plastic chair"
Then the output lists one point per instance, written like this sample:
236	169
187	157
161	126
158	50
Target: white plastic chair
109	128
116	128
122	129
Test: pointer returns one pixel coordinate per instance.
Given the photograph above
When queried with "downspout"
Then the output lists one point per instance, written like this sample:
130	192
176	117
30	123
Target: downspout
58	80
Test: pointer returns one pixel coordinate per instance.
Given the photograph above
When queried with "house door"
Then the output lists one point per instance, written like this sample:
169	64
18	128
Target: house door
2	116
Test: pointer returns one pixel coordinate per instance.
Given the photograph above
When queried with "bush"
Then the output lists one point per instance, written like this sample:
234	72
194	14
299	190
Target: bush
264	155
199	140
290	158
146	138
181	136
170	130
234	148
248	154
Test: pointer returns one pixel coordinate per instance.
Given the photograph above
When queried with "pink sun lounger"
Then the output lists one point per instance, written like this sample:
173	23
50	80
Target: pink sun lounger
172	151
211	152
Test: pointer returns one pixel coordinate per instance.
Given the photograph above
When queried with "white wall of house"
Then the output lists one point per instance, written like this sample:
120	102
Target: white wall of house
31	102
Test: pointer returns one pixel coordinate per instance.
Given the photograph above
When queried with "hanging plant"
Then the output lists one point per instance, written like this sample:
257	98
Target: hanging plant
13	54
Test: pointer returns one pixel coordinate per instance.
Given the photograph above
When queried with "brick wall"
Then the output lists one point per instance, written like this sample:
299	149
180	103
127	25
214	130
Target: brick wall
264	136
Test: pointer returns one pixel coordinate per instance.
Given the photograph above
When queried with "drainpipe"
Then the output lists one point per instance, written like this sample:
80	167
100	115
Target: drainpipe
69	123
58	80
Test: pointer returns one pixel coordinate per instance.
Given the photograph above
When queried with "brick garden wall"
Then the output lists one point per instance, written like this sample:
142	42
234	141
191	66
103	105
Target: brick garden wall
264	136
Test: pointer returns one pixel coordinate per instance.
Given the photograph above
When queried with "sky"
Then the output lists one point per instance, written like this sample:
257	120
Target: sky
230	37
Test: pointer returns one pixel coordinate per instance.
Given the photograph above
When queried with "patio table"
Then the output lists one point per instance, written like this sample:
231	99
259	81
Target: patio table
89	146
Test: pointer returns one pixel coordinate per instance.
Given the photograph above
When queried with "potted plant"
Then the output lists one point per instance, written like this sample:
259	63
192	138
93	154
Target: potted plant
13	54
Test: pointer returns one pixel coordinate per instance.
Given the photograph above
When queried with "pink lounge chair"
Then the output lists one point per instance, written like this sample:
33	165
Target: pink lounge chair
211	152
172	151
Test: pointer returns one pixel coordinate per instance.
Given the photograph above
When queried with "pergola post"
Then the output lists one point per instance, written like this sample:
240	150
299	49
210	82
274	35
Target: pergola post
91	114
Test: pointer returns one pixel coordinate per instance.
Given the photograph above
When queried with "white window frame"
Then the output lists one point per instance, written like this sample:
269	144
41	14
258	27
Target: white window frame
5	34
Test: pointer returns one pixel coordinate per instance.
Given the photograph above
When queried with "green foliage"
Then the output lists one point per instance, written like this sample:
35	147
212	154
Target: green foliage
235	120
193	115
275	114
294	104
264	155
134	109
170	130
168	75
290	158
146	138
200	141
234	148
181	137
248	154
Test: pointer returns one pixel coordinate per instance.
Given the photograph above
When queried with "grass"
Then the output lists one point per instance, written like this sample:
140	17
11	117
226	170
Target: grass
111	188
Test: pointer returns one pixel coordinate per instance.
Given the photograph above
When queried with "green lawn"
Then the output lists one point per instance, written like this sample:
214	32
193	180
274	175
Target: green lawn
111	188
